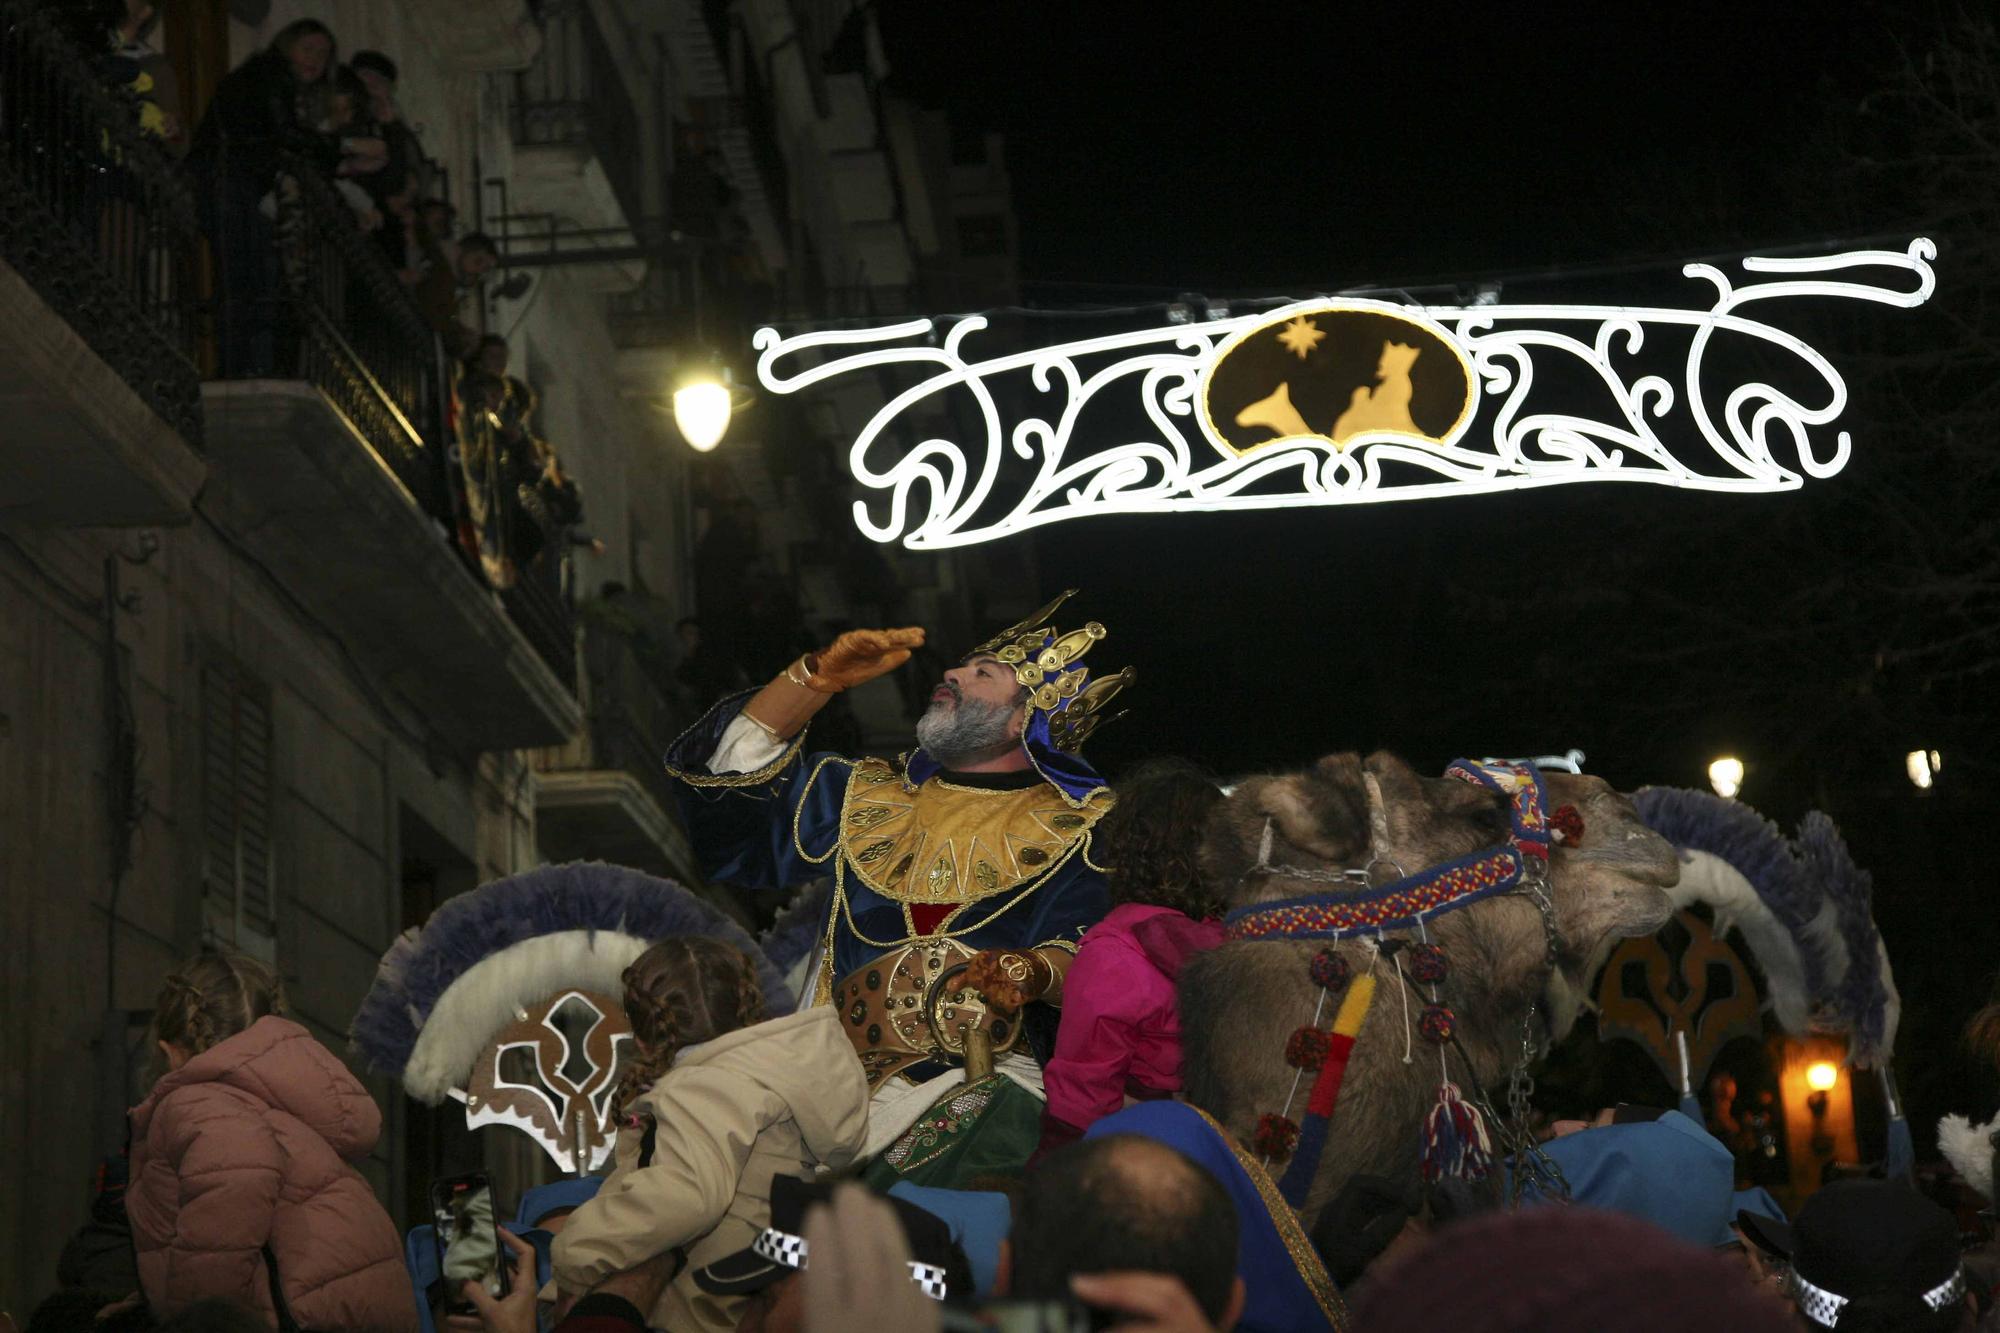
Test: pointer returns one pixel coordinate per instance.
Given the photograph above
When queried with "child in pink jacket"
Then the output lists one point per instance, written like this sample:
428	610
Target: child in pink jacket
1120	1036
242	1186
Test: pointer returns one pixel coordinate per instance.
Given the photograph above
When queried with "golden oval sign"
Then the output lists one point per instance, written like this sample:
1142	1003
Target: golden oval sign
1337	372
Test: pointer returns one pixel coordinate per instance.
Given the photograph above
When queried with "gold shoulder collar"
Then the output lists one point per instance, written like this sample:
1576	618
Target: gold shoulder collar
941	843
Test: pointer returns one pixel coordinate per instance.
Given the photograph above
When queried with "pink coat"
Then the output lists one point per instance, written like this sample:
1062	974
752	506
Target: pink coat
1120	1026
243	1147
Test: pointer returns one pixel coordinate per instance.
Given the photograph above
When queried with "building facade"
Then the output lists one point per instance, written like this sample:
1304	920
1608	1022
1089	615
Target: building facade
257	687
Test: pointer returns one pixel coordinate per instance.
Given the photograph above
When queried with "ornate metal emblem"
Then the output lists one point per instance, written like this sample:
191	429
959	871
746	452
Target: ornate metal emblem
551	1074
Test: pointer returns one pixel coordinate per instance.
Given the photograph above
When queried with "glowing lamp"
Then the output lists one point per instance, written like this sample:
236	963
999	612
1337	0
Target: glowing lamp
1821	1075
701	411
1923	767
1726	776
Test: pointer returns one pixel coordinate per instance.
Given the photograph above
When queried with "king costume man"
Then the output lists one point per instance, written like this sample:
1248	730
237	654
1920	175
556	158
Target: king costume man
961	872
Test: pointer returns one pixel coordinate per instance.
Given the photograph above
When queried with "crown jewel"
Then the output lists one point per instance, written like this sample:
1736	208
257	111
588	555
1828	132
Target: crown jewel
1044	662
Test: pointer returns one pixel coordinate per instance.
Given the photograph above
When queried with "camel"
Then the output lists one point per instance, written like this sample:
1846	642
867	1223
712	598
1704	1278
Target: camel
1241	1001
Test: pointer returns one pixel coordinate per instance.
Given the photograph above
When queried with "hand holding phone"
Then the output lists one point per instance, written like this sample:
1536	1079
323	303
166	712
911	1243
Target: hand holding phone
467	1235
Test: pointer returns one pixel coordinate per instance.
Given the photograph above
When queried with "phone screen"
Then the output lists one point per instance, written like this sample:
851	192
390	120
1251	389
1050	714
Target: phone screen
468	1238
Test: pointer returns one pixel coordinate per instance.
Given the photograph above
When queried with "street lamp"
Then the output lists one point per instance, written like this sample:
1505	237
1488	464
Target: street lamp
1923	766
1726	776
701	410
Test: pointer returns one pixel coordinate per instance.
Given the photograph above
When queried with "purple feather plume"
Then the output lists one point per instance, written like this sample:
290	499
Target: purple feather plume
467	929
1754	846
1860	1002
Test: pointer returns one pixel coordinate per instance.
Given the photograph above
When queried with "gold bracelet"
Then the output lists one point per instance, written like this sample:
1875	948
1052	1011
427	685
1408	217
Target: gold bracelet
798	674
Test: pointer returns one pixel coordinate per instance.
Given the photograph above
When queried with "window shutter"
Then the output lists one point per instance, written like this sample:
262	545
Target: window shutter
239	879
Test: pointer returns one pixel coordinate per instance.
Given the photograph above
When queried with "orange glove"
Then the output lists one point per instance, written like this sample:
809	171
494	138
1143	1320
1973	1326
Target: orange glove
859	656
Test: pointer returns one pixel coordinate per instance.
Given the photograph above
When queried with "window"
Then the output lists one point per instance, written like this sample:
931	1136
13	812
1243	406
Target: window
239	880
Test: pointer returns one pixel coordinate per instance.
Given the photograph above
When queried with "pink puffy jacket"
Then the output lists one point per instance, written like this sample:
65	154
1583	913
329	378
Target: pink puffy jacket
243	1147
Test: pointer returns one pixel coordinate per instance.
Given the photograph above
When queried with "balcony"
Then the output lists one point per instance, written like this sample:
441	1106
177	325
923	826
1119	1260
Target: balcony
603	795
335	475
99	256
579	152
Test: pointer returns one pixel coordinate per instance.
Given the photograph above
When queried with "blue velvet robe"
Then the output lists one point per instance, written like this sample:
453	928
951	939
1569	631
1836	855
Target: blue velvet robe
780	828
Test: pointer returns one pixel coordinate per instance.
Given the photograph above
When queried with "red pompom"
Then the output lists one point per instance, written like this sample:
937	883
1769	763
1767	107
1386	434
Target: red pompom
1330	970
1306	1048
1566	825
1437	1023
1428	964
1276	1136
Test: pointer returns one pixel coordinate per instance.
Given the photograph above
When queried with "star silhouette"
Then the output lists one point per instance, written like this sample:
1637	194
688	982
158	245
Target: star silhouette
1301	336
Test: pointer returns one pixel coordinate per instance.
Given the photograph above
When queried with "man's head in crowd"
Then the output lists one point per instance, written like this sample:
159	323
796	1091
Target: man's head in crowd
378	73
491	354
308	49
477	257
1122	1203
1872	1255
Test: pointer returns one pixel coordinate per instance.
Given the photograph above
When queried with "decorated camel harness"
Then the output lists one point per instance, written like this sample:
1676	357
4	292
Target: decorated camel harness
1456	1138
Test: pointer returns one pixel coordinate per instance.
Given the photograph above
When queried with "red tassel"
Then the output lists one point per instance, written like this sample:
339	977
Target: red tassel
1456	1142
1566	825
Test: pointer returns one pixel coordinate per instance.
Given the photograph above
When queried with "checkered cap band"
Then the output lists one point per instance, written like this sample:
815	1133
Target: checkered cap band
1823	1307
783	1248
1818	1304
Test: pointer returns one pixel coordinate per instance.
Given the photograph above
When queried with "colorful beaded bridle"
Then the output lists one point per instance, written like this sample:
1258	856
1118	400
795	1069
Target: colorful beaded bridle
1456	1139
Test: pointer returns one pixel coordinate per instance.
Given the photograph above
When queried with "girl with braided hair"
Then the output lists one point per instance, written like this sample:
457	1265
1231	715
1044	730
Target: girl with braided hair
241	1188
714	1101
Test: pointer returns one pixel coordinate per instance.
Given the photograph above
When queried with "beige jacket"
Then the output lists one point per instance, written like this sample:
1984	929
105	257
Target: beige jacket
783	1097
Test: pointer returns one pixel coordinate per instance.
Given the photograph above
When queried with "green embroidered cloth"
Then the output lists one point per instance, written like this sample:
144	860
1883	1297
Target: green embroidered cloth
985	1128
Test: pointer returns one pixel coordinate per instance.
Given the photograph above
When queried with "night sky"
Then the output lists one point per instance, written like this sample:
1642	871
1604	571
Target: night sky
1579	153
1296	149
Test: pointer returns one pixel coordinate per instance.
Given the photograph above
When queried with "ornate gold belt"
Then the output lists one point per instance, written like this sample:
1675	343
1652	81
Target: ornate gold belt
902	1009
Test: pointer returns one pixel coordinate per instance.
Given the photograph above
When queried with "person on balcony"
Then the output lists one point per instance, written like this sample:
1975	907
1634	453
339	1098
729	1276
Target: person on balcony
403	156
961	873
445	278
259	114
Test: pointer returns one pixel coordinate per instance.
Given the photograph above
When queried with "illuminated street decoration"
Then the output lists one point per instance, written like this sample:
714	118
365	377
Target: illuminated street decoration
1344	401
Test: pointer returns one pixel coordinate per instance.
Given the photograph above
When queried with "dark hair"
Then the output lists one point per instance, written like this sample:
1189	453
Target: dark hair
1123	1203
346	83
1151	838
685	989
477	240
376	61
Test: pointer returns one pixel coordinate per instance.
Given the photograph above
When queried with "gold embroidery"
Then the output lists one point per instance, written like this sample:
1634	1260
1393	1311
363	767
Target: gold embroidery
950	844
1304	1258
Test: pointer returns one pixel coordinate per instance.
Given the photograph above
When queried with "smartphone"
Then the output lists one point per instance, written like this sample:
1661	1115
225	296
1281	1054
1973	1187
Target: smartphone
466	1232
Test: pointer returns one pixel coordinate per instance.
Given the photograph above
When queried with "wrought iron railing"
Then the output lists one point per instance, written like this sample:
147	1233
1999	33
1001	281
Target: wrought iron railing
351	329
354	333
92	215
574	94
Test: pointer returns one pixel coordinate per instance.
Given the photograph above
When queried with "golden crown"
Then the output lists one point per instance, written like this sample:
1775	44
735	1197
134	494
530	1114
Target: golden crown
1044	662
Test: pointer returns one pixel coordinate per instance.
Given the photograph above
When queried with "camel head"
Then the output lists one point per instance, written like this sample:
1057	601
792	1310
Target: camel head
1343	813
1610	886
1290	835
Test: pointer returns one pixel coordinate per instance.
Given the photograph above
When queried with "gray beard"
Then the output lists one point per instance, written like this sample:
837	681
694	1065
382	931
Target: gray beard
972	731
